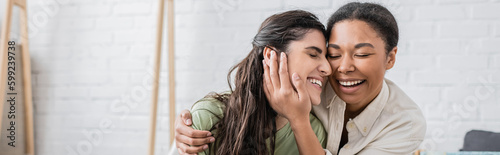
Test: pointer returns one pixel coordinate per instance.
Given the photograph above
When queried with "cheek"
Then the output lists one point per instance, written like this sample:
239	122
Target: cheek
301	68
334	65
292	64
371	70
291	69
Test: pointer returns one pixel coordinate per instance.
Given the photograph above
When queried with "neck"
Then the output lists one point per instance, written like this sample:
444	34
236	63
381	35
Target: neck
352	112
280	122
354	109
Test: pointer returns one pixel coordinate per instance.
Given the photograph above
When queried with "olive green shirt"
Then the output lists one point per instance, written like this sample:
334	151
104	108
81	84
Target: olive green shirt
208	111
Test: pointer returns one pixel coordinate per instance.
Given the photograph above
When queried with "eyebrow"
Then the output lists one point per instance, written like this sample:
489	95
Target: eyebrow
355	46
364	45
333	46
315	48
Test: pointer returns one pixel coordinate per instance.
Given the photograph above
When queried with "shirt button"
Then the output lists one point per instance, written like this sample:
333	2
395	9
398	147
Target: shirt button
364	129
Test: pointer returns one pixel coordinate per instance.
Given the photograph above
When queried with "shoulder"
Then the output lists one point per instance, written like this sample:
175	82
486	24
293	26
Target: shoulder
404	110
315	122
318	129
401	124
398	96
206	112
209	104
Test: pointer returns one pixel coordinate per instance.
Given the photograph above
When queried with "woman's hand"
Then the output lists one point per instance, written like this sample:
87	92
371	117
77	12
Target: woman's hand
189	140
293	104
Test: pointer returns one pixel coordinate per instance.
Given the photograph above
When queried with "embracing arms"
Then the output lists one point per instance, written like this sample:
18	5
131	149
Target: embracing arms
293	104
187	139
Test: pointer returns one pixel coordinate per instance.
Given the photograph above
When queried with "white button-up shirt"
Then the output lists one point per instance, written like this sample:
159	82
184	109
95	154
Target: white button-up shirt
391	124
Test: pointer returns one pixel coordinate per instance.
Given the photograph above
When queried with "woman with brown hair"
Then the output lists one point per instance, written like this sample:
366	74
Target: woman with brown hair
242	120
362	112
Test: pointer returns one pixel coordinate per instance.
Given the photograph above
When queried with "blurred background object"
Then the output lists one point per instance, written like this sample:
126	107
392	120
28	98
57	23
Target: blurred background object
16	108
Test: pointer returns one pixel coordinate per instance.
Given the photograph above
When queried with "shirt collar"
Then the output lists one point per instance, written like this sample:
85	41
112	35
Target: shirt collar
328	95
365	120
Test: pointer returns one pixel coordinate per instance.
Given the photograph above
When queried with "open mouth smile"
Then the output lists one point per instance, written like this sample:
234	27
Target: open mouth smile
351	83
315	81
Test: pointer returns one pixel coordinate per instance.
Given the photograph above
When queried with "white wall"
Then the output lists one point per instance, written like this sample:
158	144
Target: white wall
91	64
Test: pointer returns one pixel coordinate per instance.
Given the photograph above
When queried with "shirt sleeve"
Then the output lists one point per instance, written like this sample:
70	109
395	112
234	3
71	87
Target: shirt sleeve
205	114
318	129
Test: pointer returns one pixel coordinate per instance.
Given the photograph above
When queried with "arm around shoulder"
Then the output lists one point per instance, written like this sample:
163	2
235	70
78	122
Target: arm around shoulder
206	113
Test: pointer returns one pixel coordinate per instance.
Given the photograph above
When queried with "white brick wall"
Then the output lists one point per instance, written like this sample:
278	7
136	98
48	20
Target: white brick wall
485	11
91	64
440	13
497	30
461	29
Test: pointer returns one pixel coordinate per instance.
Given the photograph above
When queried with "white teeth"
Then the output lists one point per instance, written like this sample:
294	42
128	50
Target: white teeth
350	83
314	81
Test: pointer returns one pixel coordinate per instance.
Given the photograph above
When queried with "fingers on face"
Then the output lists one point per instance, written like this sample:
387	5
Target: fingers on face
273	73
268	85
283	72
301	90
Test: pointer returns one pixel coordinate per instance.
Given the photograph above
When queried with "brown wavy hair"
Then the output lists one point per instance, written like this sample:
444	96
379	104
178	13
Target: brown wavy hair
248	118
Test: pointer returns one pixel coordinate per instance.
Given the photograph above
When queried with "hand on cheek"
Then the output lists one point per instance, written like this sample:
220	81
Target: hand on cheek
280	93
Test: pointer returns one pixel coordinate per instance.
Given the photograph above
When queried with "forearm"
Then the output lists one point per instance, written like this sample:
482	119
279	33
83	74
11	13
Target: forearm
306	139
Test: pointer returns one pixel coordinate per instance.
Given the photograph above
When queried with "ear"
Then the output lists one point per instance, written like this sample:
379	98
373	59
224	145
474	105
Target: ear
391	58
267	55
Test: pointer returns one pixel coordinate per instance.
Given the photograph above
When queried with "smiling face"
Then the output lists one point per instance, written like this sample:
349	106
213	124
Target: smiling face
307	58
359	60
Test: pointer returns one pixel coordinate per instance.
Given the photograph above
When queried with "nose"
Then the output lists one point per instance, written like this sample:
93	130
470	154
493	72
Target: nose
325	68
346	65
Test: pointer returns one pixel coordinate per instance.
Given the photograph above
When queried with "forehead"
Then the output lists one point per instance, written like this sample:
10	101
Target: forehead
352	32
311	38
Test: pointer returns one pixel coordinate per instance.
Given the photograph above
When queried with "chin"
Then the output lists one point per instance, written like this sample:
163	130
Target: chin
316	101
315	97
349	99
